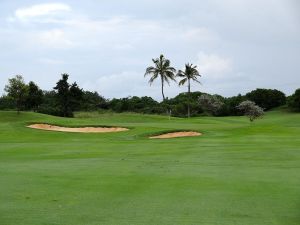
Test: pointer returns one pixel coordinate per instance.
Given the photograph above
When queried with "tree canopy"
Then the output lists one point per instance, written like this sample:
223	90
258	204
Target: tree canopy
17	90
267	98
294	101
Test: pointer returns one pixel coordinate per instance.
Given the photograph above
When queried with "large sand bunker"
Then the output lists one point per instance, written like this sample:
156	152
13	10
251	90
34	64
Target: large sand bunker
77	129
177	134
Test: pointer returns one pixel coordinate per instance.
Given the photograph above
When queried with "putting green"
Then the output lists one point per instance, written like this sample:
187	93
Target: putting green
237	172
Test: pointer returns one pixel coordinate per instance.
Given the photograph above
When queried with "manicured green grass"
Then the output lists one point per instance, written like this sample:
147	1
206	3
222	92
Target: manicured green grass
236	173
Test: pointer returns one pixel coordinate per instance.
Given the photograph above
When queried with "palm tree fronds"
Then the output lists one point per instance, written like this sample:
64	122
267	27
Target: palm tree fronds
182	82
190	73
163	69
153	78
150	70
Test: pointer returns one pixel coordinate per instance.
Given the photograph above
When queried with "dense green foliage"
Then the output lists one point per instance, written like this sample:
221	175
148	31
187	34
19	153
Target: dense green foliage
236	173
34	97
49	105
134	104
68	97
92	101
7	103
180	103
267	98
17	91
294	101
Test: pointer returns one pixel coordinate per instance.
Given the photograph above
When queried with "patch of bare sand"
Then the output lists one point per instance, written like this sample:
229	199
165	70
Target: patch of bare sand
177	134
77	129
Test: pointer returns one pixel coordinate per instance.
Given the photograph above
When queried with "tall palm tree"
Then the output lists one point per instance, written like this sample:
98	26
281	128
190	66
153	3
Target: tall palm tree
163	70
190	73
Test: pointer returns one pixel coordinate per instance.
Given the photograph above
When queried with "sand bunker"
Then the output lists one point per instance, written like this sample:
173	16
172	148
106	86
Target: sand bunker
177	134
78	129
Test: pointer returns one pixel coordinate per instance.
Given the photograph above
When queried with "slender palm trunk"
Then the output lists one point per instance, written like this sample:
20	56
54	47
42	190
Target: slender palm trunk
162	92
189	98
162	88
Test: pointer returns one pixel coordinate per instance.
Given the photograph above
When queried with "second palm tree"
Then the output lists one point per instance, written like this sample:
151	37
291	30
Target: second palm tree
190	73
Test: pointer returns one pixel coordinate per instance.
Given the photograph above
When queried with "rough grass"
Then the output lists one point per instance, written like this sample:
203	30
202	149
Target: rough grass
236	173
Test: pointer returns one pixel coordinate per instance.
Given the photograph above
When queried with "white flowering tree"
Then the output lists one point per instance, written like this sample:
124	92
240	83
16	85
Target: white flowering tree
251	110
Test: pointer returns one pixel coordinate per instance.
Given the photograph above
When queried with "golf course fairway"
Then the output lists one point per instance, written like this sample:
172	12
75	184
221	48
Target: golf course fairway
235	173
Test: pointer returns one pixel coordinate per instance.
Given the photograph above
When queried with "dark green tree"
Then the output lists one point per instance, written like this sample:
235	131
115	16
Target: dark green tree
50	104
294	101
163	70
63	96
231	104
7	103
17	90
190	73
267	98
35	97
93	101
76	97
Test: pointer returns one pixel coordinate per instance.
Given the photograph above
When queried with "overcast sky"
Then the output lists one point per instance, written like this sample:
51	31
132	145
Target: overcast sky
105	45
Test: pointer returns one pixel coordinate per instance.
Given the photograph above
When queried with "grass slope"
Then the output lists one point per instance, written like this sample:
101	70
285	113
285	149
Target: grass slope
236	173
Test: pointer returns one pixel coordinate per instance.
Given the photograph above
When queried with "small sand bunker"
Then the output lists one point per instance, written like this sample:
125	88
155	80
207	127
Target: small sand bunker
177	134
78	129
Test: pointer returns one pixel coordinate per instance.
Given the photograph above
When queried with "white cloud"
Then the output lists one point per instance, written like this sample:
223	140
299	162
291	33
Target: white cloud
40	10
120	34
117	33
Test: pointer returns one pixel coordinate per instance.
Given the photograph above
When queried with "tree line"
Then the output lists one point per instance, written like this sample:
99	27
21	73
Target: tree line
65	98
